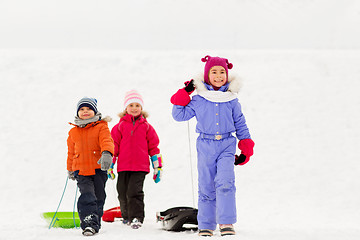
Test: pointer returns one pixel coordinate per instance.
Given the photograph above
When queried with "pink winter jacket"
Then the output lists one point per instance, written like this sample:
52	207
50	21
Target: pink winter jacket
134	142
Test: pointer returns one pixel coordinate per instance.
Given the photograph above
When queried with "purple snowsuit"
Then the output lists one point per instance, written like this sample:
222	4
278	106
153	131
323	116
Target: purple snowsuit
216	177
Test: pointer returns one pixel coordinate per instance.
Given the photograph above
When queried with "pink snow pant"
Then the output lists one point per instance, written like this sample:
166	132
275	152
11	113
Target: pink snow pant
216	179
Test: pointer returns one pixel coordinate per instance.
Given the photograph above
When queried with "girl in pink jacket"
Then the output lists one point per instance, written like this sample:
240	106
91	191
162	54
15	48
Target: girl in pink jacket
135	140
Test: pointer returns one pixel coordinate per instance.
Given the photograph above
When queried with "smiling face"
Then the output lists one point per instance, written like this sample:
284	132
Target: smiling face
85	113
134	109
217	76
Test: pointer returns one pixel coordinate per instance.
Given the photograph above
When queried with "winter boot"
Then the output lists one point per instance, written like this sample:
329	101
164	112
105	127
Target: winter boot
135	224
206	232
226	229
88	231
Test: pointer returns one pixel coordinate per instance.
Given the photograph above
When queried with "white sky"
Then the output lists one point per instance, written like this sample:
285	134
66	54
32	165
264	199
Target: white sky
179	24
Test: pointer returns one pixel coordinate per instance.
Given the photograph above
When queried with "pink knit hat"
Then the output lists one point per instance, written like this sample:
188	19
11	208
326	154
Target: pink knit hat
215	61
133	97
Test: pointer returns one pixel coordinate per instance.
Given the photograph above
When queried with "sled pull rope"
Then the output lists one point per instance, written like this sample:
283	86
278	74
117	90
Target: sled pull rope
192	178
51	223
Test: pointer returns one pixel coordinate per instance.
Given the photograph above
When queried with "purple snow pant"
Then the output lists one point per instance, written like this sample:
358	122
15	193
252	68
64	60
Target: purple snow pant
216	203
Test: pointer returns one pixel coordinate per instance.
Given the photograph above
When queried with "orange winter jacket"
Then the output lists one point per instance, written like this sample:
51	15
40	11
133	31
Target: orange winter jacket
85	146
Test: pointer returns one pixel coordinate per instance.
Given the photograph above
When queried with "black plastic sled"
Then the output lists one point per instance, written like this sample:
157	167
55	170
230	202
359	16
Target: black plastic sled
178	219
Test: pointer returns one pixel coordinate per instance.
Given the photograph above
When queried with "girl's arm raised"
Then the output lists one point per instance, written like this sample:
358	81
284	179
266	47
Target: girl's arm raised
181	113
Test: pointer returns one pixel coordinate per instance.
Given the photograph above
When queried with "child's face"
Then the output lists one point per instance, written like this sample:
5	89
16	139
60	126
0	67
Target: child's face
134	109
85	113
217	76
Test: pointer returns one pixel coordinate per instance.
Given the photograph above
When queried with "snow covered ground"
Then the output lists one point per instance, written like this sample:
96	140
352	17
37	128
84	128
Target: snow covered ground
302	108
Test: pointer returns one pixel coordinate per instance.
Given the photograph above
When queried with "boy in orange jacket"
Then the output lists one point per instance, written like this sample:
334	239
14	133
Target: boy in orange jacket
90	150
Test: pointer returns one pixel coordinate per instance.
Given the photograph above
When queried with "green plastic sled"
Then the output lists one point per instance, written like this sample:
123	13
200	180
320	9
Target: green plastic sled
62	219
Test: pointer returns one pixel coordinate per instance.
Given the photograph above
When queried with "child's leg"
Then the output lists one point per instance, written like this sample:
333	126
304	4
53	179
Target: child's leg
206	175
135	196
99	183
122	187
87	207
225	183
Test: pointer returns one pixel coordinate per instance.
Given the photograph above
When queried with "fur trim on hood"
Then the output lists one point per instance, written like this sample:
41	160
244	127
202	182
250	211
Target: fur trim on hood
234	86
218	96
106	119
144	113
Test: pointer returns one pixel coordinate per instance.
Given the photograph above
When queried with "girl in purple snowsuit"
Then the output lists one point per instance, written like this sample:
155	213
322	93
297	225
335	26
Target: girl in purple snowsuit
218	113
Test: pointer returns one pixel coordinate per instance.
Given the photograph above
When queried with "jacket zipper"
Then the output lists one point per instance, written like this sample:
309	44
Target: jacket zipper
132	131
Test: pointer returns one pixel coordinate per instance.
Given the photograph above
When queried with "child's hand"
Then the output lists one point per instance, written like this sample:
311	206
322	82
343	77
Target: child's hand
71	175
105	160
247	149
182	96
240	159
189	86
110	172
157	164
157	174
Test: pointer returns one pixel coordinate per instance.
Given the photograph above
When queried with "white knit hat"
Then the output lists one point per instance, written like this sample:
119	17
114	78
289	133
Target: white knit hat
133	97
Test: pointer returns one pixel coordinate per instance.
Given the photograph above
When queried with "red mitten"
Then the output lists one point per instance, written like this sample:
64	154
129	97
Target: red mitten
247	148
181	97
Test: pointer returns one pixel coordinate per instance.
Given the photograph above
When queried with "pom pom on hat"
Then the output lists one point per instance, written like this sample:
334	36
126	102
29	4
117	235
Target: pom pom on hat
133	97
87	102
215	61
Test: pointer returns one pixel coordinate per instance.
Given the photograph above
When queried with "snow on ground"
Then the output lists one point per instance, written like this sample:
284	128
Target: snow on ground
302	108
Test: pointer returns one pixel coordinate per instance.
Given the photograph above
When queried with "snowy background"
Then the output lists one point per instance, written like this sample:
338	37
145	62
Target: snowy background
300	98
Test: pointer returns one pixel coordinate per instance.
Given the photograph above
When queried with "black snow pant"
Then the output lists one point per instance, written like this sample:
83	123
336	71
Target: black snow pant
92	199
131	195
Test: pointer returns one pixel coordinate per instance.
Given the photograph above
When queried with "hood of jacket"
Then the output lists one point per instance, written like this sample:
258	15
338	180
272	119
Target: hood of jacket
233	85
143	113
130	118
226	93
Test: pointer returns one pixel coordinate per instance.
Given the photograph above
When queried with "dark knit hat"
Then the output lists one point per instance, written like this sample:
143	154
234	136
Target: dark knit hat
87	102
215	61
